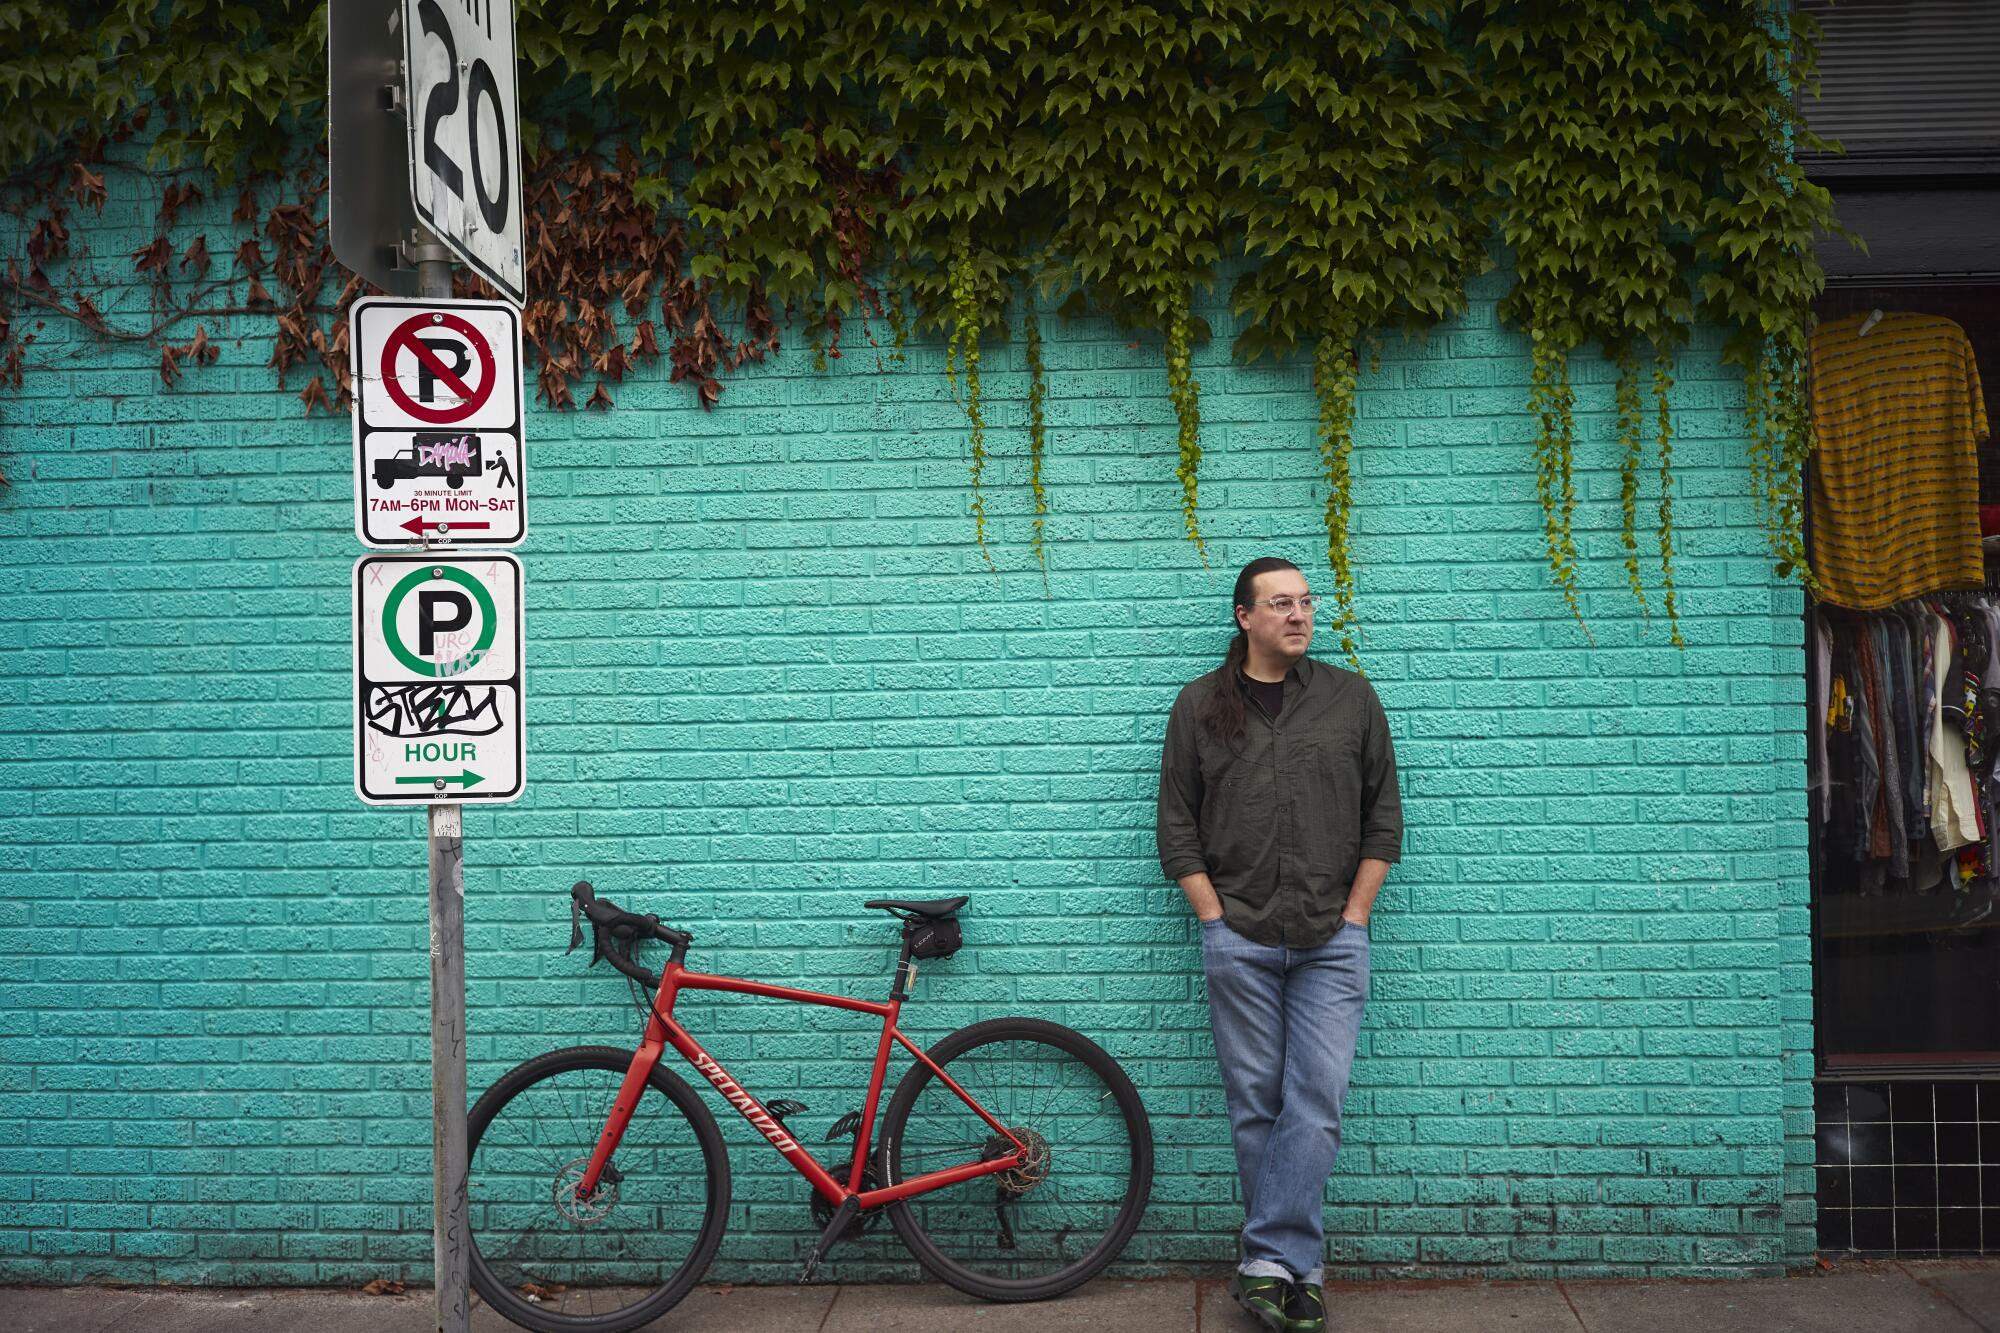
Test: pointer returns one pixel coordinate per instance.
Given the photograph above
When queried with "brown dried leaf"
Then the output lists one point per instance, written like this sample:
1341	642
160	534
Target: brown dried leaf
177	197
315	396
600	400
384	1286
87	188
636	290
49	239
553	386
153	257
613	363
196	257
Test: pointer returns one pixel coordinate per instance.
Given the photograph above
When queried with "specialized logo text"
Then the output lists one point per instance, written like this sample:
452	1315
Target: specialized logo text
744	1102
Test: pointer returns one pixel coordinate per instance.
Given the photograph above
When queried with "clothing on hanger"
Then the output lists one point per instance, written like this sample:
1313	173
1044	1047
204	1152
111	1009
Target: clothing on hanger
1899	413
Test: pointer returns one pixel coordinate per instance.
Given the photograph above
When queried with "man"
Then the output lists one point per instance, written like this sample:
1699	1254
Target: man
1279	816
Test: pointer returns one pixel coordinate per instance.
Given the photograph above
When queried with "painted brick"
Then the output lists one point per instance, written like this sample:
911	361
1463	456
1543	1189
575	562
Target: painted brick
773	675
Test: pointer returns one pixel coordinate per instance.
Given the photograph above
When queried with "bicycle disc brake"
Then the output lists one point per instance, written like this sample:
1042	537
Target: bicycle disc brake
586	1209
1011	1184
1034	1167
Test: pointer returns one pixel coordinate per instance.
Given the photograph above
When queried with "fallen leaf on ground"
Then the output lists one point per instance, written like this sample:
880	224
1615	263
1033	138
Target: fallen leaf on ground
383	1286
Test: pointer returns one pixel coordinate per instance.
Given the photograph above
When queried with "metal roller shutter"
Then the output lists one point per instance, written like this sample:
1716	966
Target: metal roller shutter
1907	86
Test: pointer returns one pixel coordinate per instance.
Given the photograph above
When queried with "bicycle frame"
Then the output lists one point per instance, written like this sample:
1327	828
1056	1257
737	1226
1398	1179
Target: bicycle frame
662	1030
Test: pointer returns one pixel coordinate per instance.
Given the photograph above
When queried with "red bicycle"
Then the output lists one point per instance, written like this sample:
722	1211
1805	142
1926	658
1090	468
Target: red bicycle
1014	1159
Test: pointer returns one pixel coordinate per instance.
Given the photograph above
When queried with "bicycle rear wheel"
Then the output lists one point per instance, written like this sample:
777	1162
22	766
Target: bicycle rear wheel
1040	1229
554	1262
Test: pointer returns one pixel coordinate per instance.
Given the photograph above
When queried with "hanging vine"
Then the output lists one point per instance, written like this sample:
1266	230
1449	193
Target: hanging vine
700	163
1663	383
1334	377
1778	421
1631	424
963	348
1038	392
1554	405
1185	391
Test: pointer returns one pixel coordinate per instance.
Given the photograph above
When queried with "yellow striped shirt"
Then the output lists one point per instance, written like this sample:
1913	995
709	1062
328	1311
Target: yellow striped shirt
1895	496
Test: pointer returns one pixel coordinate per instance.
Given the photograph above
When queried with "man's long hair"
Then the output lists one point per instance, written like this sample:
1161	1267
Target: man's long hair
1222	713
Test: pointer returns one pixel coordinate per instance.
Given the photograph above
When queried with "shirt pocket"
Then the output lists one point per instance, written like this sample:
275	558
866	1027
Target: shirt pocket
1236	801
1331	831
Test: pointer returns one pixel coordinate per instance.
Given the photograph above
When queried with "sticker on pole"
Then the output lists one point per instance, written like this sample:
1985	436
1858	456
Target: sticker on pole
438	436
465	133
438	686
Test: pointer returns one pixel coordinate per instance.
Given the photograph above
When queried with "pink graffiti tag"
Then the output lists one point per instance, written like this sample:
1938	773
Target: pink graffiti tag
450	453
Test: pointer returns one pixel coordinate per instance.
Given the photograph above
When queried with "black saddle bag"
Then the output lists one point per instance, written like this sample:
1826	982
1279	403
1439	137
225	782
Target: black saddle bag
933	939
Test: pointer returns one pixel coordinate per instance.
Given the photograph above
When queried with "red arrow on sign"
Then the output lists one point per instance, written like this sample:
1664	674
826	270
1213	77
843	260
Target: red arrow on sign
419	526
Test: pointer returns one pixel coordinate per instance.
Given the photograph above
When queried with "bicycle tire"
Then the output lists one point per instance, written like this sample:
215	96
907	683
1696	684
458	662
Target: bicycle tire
935	1224
504	1194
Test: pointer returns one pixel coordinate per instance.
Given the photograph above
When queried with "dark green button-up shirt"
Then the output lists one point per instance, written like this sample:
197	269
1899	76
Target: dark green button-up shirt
1282	826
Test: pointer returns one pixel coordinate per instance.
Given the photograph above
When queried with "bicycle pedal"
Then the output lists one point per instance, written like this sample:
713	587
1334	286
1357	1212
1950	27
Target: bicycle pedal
783	1107
846	1127
843	1216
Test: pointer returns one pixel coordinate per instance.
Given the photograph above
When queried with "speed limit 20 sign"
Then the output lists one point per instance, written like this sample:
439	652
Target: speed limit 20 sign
465	133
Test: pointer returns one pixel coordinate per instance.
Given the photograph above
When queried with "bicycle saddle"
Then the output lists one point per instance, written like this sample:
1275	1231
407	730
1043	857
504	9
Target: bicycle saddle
931	911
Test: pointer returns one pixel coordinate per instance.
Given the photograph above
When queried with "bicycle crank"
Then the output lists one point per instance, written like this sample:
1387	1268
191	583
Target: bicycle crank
586	1209
822	1211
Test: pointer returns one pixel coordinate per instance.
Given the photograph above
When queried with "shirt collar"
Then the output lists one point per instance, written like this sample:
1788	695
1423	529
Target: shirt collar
1244	679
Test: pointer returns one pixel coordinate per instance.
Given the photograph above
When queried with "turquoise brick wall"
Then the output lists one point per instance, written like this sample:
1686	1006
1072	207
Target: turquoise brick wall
770	677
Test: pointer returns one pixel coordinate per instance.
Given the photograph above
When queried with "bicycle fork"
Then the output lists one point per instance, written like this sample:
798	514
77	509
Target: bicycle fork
600	1168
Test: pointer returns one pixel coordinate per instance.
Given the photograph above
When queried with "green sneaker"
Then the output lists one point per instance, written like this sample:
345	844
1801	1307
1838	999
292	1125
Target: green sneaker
1263	1298
1305	1309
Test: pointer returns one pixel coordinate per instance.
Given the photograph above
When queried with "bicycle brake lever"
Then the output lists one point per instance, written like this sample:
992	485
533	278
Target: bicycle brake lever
575	927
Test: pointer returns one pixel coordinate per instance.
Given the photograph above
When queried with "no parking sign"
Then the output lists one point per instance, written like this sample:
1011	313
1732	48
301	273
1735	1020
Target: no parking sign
439	445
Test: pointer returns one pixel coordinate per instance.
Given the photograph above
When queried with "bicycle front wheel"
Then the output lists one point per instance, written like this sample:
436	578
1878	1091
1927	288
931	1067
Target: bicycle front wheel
1039	1229
556	1261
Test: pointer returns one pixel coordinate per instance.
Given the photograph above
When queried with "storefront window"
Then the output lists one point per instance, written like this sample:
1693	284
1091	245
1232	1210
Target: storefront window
1905	790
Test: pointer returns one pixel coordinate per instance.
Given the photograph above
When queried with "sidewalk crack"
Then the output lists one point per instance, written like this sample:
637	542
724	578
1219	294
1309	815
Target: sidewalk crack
1946	1297
1562	1289
828	1312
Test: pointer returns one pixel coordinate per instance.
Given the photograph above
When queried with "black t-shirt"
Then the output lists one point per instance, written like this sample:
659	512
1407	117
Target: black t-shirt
1269	693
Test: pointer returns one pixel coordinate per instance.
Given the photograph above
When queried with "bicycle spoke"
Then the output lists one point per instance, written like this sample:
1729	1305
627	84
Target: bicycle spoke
1032	1224
554	1253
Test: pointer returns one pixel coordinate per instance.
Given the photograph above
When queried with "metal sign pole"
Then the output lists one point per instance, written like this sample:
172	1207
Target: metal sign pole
450	1223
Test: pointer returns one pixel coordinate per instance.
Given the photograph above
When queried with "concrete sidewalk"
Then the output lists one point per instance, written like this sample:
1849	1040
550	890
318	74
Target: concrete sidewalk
1933	1296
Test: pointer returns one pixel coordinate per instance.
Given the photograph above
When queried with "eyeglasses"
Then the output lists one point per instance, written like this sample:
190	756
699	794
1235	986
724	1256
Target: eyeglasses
1285	605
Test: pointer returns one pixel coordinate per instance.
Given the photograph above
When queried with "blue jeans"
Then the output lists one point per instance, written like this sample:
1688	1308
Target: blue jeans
1285	1024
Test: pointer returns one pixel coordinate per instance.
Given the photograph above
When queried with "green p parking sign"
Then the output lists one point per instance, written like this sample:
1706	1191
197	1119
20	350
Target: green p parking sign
438	681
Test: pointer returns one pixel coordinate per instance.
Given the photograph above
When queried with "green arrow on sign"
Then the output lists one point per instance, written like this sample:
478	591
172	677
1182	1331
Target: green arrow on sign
467	778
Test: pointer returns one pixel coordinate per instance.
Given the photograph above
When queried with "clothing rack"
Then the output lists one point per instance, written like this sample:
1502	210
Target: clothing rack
1905	787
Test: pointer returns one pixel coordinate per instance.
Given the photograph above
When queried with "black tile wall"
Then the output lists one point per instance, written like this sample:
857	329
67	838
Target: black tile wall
1909	1168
